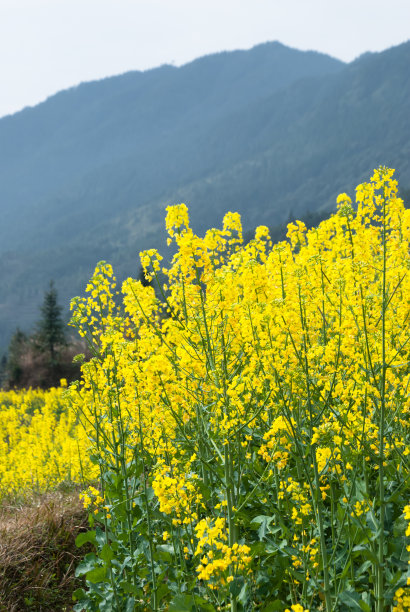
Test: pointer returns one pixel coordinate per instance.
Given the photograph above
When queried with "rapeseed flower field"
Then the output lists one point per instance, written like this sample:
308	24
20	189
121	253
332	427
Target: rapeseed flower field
248	420
42	444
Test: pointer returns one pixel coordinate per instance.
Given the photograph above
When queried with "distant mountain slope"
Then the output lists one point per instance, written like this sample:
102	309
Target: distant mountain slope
315	138
269	132
151	123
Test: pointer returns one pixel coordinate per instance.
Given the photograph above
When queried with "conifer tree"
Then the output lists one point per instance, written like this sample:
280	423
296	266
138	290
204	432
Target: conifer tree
51	334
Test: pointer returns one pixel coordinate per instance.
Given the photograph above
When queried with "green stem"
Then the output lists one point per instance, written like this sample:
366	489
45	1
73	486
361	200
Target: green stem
323	548
231	523
107	541
380	565
151	548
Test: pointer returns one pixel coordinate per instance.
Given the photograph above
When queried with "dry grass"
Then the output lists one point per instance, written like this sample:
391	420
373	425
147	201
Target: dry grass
38	555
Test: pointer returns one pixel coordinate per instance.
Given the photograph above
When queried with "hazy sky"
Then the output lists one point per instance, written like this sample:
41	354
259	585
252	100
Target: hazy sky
48	45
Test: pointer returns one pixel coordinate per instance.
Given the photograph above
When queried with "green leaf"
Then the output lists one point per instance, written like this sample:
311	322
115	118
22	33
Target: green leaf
203	606
264	522
366	597
87	564
98	574
373	524
106	604
79	595
351	599
83	538
363	569
101	537
243	596
181	603
128	587
166	551
107	554
166	548
236	585
130	605
162	591
347	568
366	553
403	565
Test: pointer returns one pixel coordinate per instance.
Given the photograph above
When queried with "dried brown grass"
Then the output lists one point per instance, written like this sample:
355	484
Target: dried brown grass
38	555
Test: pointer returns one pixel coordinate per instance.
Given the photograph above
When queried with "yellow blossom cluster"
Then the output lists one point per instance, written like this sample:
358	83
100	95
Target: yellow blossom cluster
91	496
219	562
177	493
234	559
276	448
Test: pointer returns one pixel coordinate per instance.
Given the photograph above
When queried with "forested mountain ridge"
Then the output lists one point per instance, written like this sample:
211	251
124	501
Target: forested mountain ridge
152	124
271	132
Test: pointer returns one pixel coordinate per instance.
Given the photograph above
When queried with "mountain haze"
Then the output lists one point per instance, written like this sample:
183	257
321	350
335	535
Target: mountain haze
270	132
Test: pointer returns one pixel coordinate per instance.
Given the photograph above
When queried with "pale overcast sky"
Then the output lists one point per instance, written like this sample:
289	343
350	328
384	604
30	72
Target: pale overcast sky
49	45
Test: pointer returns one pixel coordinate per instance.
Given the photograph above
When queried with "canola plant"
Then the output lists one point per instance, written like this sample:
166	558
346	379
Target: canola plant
250	418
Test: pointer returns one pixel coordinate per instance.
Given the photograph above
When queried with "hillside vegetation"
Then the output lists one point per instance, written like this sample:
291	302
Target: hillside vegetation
271	133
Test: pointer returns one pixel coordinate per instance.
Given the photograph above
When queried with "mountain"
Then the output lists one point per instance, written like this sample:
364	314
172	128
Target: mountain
271	132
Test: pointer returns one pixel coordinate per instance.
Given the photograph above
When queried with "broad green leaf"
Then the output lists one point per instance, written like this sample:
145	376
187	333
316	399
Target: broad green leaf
236	585
98	574
351	599
366	553
203	605
181	603
83	538
87	564
100	536
78	595
106	554
166	551
128	587
243	596
162	590
373	524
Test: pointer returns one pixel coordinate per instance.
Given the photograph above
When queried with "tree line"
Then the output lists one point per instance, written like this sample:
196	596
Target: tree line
42	358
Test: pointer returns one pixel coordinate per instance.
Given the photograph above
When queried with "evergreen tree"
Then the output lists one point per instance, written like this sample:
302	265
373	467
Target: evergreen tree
51	333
